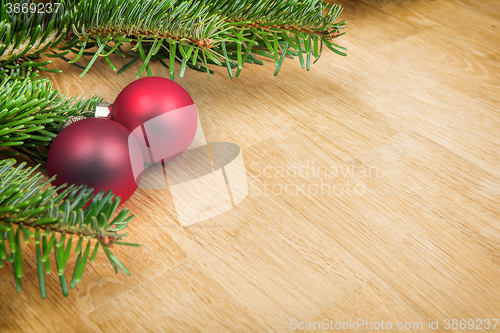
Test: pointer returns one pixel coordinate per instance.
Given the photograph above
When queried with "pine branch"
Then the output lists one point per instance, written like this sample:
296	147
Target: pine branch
197	33
55	220
32	113
24	36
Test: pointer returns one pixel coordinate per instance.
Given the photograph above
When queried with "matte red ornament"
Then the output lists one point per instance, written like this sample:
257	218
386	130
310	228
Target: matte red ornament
99	153
160	114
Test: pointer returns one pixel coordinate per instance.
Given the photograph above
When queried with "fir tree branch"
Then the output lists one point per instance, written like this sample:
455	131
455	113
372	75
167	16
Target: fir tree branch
195	33
25	35
57	216
32	113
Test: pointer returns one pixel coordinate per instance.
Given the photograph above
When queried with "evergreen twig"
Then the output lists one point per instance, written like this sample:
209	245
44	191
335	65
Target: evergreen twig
192	31
57	216
32	113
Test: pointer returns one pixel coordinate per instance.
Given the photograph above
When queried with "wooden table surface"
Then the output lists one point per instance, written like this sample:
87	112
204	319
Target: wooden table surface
391	156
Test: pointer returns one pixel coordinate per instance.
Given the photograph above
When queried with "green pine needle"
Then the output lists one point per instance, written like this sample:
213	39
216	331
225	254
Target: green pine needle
31	116
69	220
32	113
215	29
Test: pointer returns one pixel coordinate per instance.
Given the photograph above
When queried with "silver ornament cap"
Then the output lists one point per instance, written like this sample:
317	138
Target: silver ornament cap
72	119
102	110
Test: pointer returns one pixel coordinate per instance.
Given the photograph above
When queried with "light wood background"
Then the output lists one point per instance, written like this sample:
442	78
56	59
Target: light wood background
416	101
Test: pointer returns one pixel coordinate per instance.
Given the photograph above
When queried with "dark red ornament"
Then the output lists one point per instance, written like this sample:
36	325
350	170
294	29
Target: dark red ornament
99	153
160	114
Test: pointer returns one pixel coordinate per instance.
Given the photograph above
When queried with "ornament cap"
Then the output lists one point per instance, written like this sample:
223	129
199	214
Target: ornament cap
102	110
72	119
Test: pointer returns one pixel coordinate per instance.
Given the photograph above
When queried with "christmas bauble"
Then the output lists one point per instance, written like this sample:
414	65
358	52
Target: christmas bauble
160	114
99	153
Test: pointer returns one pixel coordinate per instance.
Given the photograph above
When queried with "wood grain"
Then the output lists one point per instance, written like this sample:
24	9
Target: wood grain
409	119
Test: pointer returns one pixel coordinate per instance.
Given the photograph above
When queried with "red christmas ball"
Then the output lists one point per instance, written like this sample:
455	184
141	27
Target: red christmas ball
99	153
160	114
